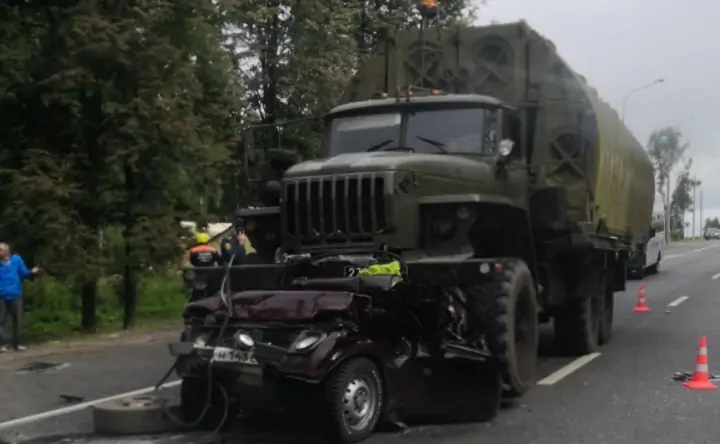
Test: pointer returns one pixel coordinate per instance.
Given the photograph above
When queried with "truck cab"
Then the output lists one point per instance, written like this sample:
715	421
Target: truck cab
399	170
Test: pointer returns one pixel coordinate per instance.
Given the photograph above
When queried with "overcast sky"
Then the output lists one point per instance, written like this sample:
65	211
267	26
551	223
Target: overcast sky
620	45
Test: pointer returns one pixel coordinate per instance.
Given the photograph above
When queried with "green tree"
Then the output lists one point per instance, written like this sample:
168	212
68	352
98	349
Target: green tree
45	209
666	148
173	109
296	58
682	200
119	114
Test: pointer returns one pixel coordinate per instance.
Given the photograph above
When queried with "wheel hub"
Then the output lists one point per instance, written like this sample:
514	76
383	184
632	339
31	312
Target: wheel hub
358	403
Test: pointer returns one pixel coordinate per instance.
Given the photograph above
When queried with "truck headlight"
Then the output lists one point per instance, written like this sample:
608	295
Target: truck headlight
444	222
505	147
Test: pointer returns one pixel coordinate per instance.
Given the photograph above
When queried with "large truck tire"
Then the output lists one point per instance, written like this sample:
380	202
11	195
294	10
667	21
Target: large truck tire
577	326
585	320
353	401
608	313
509	314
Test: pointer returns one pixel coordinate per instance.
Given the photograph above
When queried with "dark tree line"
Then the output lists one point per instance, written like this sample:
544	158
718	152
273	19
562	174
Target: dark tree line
121	118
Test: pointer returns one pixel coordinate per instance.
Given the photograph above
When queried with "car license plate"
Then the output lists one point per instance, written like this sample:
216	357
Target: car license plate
229	356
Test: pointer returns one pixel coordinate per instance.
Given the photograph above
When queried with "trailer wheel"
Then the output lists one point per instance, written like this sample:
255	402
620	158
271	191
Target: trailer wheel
509	312
194	396
577	326
354	398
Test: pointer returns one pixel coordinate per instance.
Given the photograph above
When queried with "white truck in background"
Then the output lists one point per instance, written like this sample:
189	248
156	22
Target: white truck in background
648	261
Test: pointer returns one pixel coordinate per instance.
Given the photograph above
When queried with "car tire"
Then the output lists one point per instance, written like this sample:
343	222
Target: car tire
353	401
133	415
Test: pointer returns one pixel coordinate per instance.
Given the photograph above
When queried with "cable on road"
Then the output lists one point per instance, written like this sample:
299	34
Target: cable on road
210	385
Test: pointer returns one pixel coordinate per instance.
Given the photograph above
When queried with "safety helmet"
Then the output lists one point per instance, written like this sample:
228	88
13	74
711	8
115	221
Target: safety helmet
202	238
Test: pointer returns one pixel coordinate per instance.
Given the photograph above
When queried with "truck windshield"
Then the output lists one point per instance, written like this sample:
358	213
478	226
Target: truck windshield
355	134
436	131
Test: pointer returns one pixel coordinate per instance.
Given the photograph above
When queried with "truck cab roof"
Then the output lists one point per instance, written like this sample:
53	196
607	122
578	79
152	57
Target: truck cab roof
440	99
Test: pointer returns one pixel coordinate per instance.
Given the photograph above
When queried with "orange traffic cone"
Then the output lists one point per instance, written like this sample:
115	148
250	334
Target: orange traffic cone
641	306
701	376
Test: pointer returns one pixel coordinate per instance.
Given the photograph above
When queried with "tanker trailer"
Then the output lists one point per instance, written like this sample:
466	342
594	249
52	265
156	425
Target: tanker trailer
497	190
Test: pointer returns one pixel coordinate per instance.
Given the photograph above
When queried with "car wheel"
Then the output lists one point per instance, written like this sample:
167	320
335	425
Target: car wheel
354	397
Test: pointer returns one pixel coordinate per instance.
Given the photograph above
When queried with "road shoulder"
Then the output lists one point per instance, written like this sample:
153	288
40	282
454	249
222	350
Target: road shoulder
88	345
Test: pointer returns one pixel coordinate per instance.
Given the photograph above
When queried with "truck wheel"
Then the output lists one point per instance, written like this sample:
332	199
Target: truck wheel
510	321
194	396
606	319
577	326
354	398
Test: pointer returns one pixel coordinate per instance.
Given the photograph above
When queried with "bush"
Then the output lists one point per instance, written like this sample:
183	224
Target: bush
52	307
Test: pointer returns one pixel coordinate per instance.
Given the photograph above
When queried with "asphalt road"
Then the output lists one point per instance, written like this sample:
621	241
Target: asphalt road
625	395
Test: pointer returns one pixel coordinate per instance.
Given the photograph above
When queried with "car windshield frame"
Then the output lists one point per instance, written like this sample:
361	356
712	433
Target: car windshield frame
468	130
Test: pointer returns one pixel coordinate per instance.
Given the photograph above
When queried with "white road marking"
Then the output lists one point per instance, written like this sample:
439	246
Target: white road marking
673	256
678	301
569	369
715	276
78	407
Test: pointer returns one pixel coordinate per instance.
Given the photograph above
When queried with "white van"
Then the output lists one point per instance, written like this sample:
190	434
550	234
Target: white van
648	261
653	252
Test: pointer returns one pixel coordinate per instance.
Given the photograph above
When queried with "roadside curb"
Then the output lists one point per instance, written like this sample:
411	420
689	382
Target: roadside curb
89	345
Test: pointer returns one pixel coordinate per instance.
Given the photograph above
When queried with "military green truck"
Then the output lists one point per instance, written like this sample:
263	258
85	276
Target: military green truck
499	180
483	142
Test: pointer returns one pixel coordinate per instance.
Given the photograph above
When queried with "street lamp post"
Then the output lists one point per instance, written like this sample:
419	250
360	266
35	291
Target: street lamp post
636	90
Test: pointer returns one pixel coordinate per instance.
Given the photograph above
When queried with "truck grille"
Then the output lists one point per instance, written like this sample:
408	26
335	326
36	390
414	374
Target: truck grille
335	209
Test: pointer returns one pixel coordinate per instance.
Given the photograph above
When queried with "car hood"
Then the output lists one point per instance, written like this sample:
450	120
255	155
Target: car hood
277	306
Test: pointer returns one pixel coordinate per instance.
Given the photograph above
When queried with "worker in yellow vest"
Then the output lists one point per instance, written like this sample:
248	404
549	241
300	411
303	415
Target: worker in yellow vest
204	255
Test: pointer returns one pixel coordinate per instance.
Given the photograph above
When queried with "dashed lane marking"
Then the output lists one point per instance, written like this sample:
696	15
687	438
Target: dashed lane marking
715	276
678	301
569	369
78	407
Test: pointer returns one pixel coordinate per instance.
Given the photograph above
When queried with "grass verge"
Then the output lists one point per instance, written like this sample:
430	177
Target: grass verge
52	308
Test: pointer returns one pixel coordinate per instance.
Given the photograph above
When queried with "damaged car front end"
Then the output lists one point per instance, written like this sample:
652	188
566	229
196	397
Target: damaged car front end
355	351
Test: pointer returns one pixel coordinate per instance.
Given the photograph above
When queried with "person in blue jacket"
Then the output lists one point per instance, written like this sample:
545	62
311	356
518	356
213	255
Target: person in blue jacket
12	272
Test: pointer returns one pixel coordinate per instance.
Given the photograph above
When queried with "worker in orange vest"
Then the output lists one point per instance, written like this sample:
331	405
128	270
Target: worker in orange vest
204	255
